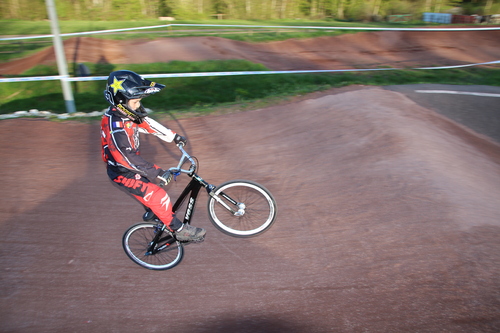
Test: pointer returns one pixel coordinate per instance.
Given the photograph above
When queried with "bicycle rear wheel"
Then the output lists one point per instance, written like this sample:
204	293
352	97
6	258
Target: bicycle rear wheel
166	254
242	208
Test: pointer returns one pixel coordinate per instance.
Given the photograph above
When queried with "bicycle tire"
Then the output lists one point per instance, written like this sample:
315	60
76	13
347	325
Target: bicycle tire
136	242
259	213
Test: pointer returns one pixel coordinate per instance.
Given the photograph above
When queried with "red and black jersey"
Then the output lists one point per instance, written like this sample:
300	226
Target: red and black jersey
120	142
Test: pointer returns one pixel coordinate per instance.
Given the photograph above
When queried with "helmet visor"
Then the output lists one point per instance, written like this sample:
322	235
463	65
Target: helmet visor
144	91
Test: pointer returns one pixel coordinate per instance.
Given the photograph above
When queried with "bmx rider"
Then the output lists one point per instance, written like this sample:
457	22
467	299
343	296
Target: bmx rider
120	128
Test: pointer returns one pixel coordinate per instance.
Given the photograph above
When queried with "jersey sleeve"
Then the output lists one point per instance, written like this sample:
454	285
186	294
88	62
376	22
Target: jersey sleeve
151	126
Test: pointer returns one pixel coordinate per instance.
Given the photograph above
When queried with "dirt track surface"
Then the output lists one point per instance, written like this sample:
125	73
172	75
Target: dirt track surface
360	50
388	222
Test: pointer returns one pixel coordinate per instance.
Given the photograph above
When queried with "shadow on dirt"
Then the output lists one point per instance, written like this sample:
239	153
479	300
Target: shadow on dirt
257	324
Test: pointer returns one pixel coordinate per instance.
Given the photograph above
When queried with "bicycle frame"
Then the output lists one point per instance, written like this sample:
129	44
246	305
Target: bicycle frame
194	187
150	239
192	190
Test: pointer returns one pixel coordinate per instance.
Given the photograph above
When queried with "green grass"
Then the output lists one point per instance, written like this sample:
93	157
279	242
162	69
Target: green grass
207	94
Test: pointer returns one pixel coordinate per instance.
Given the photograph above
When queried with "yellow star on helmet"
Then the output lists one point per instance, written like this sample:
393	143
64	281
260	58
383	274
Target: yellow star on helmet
117	85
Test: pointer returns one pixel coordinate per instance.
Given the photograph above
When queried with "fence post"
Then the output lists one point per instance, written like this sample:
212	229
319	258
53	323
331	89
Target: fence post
61	57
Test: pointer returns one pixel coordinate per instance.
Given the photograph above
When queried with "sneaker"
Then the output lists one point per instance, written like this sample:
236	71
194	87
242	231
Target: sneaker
189	233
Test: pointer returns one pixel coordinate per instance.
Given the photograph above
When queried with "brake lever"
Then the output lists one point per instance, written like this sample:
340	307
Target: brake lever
175	175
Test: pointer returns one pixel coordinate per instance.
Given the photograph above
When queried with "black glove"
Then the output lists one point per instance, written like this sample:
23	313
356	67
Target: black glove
180	140
165	177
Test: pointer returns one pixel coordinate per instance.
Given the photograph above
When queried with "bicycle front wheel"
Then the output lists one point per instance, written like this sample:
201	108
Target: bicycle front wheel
242	208
137	243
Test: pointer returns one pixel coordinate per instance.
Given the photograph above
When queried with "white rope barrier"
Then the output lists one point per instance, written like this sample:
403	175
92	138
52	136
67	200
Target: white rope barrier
208	74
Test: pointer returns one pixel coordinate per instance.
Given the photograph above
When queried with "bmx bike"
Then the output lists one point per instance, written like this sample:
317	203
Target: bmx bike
239	208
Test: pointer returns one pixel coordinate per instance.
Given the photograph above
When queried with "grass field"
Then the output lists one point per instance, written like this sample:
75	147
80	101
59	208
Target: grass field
205	94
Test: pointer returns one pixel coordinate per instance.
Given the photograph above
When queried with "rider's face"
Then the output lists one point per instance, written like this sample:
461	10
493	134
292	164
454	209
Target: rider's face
134	104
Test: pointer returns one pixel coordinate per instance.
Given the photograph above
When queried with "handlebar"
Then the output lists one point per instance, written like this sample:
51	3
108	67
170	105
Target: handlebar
185	157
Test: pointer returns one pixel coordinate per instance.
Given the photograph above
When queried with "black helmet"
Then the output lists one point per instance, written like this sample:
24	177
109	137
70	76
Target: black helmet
124	85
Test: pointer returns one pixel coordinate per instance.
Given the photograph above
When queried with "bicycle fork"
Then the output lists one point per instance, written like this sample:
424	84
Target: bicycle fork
241	206
211	191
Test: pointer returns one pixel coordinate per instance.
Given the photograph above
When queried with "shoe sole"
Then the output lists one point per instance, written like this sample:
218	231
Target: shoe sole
197	240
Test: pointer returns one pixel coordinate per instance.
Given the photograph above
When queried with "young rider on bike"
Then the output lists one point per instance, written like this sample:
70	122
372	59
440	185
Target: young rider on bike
120	128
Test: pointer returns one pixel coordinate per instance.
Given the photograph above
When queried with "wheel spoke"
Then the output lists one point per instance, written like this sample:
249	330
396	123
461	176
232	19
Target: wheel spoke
259	213
136	242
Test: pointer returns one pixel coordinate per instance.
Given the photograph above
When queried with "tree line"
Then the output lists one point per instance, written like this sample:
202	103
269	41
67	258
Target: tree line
355	10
